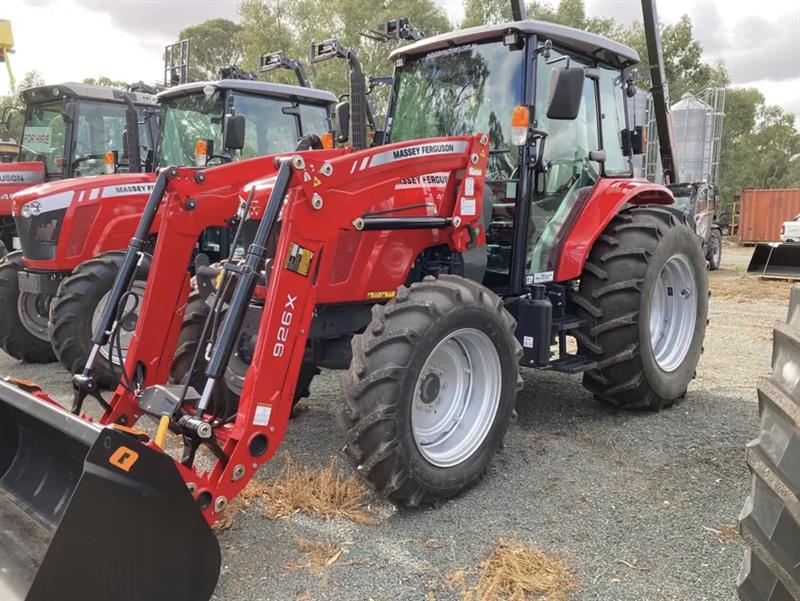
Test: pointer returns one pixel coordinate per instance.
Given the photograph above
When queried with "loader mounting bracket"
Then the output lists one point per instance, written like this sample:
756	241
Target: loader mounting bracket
85	386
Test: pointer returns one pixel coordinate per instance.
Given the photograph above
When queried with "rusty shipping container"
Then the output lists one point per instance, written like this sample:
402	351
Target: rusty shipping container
763	211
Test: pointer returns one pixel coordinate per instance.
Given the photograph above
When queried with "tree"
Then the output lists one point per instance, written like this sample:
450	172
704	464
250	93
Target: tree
14	132
213	44
291	26
107	82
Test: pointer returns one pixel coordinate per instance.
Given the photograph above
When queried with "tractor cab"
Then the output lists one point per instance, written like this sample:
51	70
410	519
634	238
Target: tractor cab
70	128
552	100
207	123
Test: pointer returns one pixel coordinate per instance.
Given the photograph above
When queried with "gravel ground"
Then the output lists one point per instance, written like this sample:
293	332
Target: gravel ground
635	501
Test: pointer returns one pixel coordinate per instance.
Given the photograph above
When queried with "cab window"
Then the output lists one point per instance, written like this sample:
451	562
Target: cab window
612	121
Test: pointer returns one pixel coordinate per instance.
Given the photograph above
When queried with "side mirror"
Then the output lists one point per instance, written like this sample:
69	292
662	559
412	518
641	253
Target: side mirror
566	92
234	132
342	122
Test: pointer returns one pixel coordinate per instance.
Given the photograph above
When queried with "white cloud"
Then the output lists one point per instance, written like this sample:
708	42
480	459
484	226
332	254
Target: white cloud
67	42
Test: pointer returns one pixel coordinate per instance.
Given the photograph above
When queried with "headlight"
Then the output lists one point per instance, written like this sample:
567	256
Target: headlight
31	209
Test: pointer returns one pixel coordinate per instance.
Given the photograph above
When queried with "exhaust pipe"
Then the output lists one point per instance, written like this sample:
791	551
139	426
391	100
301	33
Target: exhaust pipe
94	512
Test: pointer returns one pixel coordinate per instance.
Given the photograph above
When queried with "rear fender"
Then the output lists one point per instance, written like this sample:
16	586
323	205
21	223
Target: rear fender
606	200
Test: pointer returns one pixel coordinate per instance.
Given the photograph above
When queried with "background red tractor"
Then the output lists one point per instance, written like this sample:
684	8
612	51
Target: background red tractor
53	291
430	268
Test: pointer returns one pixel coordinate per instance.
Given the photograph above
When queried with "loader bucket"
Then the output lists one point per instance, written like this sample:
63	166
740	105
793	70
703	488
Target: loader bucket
91	513
776	260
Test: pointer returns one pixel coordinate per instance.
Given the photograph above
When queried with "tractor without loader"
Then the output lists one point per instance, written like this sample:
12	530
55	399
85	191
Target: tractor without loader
430	268
74	130
52	293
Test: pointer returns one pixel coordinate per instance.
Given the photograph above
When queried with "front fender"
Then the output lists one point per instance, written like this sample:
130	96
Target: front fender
607	199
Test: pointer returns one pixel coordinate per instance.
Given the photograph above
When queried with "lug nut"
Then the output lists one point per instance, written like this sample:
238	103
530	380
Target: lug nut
298	162
220	504
238	472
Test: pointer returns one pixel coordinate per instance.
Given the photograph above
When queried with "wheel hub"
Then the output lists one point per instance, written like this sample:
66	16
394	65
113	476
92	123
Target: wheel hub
456	397
130	317
429	388
34	311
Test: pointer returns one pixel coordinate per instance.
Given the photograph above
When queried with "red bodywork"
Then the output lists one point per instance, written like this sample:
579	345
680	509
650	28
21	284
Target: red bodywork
605	201
15	177
102	214
348	265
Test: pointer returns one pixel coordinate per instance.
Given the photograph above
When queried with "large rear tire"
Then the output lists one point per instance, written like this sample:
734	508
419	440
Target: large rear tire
770	520
225	399
644	296
76	310
430	390
23	316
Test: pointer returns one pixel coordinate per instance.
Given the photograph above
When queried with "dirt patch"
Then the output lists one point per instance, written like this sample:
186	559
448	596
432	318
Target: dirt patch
735	285
516	572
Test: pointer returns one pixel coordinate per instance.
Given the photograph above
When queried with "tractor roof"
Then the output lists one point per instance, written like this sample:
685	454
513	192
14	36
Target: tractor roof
253	87
83	91
582	42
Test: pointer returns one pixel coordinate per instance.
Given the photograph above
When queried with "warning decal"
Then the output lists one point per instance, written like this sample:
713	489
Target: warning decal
299	259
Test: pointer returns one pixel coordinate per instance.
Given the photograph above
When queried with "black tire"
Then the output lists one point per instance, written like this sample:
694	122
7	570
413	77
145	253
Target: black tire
74	307
225	399
614	298
15	338
714	255
770	520
379	387
3	249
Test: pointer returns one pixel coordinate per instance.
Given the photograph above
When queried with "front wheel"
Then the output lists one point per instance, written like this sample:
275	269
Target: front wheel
644	298
23	316
76	310
430	390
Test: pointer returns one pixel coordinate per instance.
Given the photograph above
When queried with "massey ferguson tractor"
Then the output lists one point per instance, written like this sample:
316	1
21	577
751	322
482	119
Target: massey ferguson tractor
73	234
72	130
498	219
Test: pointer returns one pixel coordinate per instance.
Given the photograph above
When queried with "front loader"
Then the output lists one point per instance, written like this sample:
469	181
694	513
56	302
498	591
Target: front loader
429	268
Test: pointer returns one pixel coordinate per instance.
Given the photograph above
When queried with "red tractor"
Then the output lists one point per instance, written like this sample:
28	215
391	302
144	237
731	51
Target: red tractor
429	268
67	132
52	292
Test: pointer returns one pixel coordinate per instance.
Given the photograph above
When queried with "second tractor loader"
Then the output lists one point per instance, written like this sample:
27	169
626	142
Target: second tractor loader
499	217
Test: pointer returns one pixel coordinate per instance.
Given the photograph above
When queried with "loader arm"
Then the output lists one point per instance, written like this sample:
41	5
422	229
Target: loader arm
323	203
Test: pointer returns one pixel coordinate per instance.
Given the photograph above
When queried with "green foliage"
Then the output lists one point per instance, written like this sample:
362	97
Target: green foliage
29	80
761	145
107	82
213	45
293	25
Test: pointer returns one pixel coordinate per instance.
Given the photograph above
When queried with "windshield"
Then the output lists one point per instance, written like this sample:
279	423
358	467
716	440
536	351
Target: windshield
100	128
270	125
184	121
684	196
43	136
463	90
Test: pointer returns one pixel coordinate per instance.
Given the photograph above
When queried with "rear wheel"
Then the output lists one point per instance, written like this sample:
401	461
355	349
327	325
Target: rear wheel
78	306
430	390
714	254
225	399
770	520
644	296
23	316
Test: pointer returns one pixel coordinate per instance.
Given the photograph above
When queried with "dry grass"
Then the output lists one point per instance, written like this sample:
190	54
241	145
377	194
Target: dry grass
317	554
516	572
736	285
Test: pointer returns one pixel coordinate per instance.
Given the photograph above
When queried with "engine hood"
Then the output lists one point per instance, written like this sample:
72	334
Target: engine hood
60	194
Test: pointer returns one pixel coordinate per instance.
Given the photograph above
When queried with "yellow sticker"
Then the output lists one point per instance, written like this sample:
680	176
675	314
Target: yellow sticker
483	153
381	294
124	458
317	181
299	259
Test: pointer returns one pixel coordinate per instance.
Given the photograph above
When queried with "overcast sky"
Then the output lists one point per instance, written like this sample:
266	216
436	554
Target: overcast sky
124	39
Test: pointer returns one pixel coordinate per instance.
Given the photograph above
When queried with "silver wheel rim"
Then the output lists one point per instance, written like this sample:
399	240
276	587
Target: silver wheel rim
717	249
456	397
673	313
34	313
128	326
